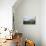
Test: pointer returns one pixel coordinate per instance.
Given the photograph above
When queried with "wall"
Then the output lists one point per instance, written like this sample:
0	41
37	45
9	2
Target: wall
28	8
43	22
6	13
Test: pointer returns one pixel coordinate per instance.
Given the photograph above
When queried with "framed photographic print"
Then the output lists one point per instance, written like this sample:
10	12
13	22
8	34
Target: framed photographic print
29	20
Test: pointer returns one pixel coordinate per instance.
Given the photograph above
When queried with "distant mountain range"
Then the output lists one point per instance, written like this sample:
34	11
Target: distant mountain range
31	21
